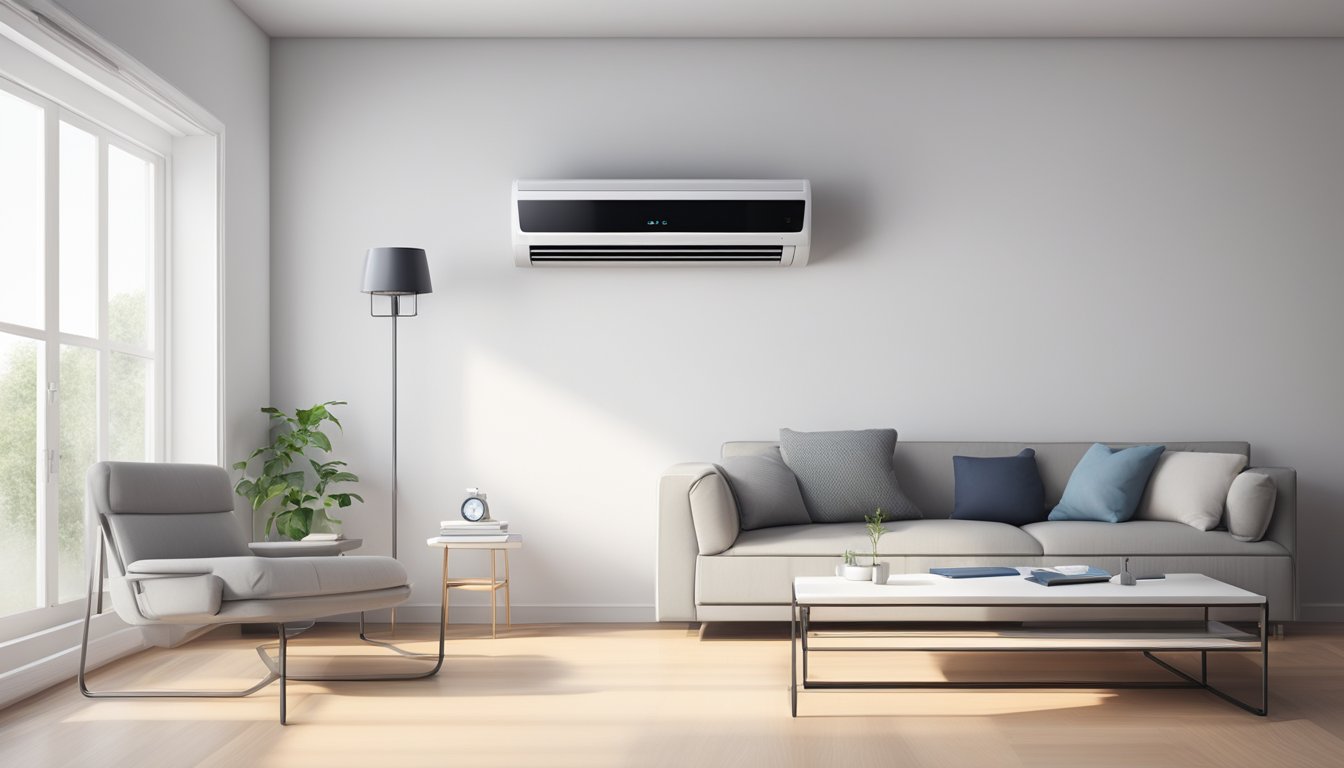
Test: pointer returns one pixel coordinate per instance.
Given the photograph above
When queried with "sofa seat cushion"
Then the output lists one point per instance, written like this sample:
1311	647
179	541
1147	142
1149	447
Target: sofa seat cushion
1141	537
269	578
904	537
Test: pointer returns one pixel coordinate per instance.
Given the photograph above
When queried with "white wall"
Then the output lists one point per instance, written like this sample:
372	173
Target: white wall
1037	240
214	54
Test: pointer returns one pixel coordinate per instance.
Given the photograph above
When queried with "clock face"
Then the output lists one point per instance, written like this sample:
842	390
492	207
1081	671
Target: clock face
473	510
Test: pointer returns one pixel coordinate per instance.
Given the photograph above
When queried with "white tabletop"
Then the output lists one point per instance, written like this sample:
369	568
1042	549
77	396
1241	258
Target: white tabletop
460	542
929	589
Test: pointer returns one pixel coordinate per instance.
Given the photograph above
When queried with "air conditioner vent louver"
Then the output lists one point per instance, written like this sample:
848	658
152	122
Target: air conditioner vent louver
662	222
657	254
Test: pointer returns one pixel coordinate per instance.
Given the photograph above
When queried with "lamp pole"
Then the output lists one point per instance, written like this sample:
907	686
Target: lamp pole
396	310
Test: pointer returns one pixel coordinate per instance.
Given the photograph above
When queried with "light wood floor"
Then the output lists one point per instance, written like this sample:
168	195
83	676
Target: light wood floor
658	695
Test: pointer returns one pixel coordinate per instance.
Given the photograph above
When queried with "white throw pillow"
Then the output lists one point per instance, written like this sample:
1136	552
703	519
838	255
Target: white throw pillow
1250	505
1190	487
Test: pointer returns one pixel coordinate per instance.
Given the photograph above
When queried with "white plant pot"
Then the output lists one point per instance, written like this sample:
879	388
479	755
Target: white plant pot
858	572
881	572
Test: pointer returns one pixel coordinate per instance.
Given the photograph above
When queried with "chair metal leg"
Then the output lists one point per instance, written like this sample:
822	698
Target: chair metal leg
95	576
432	671
284	654
277	669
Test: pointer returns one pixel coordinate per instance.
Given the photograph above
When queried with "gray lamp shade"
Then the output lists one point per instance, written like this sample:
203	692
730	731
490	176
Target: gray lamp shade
396	272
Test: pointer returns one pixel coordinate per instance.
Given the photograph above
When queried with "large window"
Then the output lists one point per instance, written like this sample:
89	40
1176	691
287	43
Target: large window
81	369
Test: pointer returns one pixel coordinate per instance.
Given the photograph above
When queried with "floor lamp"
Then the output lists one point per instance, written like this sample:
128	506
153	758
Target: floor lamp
397	273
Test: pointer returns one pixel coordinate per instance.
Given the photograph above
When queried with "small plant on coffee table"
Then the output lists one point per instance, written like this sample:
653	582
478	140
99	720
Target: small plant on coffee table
875	529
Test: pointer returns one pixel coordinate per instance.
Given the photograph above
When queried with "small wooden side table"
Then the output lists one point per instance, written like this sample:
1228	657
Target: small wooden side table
492	583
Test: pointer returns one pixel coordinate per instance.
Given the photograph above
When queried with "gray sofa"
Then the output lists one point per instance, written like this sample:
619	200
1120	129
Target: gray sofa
711	570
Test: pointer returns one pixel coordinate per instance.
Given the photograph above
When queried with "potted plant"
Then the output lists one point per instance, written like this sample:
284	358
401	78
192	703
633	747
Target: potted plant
851	568
304	499
875	530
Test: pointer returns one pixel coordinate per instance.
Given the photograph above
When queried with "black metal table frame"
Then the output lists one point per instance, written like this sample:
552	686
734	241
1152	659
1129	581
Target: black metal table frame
801	616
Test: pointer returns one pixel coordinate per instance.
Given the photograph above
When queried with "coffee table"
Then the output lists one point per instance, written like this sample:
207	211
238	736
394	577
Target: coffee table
839	598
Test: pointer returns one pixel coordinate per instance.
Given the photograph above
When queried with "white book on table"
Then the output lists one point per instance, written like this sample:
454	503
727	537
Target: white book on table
470	524
494	538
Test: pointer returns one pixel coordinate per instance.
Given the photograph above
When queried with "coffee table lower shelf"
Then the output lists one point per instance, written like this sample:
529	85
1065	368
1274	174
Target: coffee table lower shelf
1197	637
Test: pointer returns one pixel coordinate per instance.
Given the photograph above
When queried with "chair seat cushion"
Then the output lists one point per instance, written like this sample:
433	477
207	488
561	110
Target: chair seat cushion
267	578
1141	537
904	537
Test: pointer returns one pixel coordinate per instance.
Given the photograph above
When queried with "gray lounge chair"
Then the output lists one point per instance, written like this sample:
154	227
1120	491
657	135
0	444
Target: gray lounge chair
179	557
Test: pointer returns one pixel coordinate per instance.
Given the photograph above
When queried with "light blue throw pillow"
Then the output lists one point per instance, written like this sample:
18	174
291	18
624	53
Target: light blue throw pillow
1107	485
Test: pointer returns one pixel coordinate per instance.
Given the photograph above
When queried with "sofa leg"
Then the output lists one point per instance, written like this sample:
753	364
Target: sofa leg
284	654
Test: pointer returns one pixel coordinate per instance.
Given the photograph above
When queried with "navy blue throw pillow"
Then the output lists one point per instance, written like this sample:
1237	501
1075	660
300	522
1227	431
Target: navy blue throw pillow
1007	489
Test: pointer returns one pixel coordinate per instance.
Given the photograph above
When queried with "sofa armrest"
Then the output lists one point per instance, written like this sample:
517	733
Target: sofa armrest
696	516
714	512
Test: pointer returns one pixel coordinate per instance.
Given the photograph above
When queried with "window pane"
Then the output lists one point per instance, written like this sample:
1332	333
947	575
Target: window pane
79	450
130	409
130	247
18	474
79	231
22	221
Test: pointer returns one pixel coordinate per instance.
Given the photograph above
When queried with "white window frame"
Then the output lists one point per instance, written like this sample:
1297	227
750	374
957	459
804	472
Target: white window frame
49	609
45	48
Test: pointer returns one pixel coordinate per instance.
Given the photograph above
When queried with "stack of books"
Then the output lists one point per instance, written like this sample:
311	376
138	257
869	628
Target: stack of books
484	532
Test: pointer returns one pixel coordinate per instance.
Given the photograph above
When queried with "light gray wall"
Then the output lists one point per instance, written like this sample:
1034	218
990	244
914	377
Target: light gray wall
214	54
1073	240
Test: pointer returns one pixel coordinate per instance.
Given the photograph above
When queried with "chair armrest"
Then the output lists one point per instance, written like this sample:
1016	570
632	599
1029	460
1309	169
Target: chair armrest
139	577
174	597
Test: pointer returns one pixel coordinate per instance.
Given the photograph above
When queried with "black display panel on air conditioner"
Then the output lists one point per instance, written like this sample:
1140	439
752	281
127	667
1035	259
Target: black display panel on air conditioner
660	215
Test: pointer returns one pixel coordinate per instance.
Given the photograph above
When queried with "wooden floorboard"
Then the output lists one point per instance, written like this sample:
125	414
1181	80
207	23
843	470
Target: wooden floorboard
669	695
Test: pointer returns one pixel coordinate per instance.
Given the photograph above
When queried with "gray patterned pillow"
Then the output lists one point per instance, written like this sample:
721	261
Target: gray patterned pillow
765	490
846	475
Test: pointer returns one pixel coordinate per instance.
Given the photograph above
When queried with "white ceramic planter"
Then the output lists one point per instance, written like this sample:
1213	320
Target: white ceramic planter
881	572
857	572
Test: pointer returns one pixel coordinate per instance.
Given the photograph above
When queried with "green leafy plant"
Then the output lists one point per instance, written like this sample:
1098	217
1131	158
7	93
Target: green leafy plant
304	499
875	529
849	557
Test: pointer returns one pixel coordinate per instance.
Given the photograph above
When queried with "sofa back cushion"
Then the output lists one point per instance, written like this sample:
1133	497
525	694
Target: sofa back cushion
1250	505
1000	489
1108	483
1191	488
766	491
846	475
924	468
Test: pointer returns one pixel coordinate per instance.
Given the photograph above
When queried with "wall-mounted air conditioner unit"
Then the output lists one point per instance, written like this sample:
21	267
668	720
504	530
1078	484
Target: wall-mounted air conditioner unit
678	222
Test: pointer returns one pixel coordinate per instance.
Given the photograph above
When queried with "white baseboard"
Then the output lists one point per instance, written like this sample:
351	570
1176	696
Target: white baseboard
428	613
61	667
1320	612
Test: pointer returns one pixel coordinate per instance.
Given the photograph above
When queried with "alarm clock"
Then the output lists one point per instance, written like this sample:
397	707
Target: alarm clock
474	508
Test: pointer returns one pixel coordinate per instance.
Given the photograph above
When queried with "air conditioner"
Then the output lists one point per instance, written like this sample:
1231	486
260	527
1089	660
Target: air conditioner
648	222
